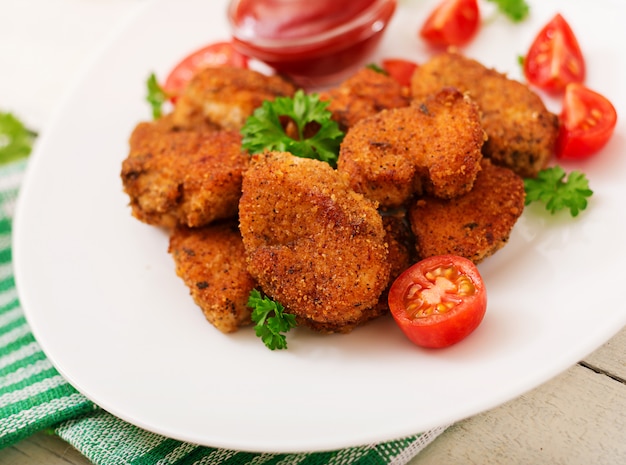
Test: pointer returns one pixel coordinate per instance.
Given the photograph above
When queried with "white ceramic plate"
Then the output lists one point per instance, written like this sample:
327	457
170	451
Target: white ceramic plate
102	298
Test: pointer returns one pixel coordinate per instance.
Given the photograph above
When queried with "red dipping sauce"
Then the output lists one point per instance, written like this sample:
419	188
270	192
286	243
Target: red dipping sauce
315	42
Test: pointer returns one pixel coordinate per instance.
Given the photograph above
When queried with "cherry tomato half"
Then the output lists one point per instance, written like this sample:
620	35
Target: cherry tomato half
399	69
587	123
216	54
452	22
438	301
554	58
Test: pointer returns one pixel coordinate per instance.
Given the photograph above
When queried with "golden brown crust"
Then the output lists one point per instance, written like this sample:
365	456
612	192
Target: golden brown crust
364	94
227	96
183	177
312	243
307	239
432	146
400	241
211	262
521	131
474	225
401	246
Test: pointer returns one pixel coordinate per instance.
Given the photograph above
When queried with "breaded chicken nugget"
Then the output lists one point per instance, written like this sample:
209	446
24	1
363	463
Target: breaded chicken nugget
227	96
474	225
211	262
183	177
312	243
431	147
400	241
521	131
401	245
364	94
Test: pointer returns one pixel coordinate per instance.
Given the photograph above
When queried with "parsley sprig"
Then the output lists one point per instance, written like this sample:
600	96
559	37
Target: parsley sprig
271	320
552	187
265	129
516	10
16	140
156	96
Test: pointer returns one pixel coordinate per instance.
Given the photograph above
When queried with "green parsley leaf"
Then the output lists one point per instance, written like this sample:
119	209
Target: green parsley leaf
264	130
16	140
156	96
271	321
377	68
516	10
552	188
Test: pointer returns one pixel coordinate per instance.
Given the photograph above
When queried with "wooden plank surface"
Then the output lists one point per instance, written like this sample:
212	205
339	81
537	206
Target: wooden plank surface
611	357
42	449
579	417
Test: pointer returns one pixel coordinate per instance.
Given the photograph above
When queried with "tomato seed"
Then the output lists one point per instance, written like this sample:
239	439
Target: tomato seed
572	66
442	296
596	114
466	286
590	122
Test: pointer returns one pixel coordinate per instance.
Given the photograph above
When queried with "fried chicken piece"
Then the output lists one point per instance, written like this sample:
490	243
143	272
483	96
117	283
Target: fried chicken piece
312	243
474	225
146	133
521	131
211	262
227	96
431	147
401	245
183	177
364	94
400	241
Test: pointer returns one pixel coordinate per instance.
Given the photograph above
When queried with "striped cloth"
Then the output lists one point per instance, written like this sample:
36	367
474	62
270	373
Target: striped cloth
34	397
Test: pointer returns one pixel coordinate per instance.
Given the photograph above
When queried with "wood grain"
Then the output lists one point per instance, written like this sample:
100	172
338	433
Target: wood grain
579	417
42	449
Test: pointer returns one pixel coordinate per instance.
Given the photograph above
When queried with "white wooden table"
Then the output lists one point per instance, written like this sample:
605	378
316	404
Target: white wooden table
579	417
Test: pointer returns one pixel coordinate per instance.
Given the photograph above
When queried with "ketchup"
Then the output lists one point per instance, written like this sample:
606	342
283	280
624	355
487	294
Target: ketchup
284	19
316	42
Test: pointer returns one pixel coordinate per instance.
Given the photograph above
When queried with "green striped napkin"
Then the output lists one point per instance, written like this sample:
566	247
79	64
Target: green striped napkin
34	397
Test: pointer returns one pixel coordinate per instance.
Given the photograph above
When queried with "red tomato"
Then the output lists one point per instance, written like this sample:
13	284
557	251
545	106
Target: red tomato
554	58
587	123
438	301
216	54
399	69
453	22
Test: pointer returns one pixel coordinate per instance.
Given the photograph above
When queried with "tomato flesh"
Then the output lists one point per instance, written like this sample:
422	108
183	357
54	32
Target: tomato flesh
212	55
555	59
438	301
588	120
399	69
446	290
452	22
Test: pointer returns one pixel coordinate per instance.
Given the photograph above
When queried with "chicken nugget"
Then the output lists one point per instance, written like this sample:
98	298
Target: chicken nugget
211	262
183	177
430	147
312	243
521	131
364	94
227	96
401	245
400	241
474	225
